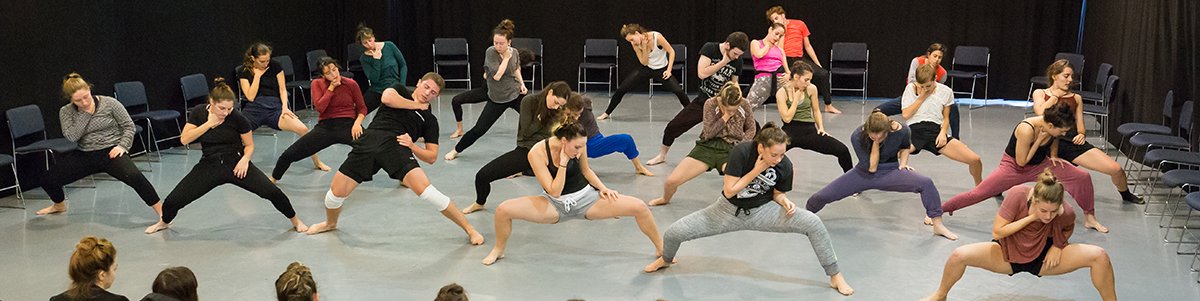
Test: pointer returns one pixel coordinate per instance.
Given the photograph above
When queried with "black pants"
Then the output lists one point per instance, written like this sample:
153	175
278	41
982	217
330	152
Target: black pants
327	132
820	78
491	112
804	135
512	162
639	77
72	166
372	100
215	171
687	118
893	107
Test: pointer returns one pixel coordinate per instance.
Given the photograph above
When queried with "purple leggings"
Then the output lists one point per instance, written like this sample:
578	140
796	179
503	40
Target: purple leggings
858	180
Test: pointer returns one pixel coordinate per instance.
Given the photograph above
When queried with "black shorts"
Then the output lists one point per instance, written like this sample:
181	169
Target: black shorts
263	115
376	150
924	137
1033	267
1068	150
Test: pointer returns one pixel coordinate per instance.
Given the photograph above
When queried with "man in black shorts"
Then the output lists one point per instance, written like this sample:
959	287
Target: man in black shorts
388	144
926	107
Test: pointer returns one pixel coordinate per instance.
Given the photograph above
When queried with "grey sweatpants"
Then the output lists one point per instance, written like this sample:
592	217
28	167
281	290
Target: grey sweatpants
762	89
718	218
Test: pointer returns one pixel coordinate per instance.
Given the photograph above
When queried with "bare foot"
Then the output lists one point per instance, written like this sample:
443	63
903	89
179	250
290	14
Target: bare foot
658	202
492	257
457	133
317	165
928	221
940	229
301	227
642	170
53	209
602	116
451	155
159	226
476	238
832	110
1092	223
838	282
660	159
472	208
514	176
935	297
321	227
658	264
272	178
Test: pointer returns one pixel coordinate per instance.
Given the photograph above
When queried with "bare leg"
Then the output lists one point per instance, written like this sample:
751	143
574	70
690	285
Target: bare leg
419	182
535	209
292	124
687	170
1077	256
661	158
641	169
984	255
341	187
629	206
958	151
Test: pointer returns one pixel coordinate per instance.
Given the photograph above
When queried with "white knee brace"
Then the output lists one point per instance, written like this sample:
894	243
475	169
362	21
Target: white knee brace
333	202
435	197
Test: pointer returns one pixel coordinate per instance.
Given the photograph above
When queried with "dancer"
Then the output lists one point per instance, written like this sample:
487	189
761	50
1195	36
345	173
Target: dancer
727	122
263	86
390	144
754	197
718	64
1031	149
1030	235
882	146
539	113
340	109
572	191
504	90
933	56
802	120
104	133
657	58
1073	146
598	144
927	110
384	65
93	269
227	145
768	62
795	45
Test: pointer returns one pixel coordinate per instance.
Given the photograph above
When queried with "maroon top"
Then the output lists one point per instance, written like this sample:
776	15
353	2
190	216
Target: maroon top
346	101
1025	245
1068	99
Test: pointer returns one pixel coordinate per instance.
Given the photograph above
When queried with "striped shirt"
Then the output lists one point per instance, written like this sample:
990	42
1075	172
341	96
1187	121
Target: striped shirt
109	126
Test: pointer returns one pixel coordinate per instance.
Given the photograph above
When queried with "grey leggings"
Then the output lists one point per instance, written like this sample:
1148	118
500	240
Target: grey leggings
763	88
718	218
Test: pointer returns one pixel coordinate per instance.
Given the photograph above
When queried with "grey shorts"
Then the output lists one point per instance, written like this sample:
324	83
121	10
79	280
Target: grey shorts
576	204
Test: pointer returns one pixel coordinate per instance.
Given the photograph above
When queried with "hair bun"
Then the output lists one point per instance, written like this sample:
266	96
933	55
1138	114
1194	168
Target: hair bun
1047	177
74	75
217	81
507	24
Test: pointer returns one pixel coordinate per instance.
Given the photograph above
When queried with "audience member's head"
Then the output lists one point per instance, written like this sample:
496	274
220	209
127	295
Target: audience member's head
451	292
296	284
93	264
178	283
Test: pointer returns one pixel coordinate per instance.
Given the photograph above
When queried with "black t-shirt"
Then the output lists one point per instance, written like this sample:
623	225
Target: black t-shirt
711	85
222	139
268	84
417	124
761	190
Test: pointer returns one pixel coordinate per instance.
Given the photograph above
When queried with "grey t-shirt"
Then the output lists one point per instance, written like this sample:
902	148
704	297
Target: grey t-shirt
508	87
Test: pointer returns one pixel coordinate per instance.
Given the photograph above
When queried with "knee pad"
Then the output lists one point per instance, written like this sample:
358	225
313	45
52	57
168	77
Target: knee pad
435	197
332	201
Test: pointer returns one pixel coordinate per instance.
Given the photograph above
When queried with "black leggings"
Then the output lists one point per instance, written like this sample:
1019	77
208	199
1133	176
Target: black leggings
804	135
510	163
639	77
687	118
218	170
372	100
820	78
491	112
72	166
327	132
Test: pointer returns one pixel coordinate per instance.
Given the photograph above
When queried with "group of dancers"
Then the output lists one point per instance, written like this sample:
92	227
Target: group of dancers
557	133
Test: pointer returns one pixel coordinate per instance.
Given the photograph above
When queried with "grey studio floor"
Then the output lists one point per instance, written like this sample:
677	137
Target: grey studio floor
392	246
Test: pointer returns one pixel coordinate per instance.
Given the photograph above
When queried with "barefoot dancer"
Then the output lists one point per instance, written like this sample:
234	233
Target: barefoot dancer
800	112
341	110
598	144
262	85
926	107
504	89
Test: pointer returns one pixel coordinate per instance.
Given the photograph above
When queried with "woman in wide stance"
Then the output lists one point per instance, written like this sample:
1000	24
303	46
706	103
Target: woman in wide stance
572	191
1030	235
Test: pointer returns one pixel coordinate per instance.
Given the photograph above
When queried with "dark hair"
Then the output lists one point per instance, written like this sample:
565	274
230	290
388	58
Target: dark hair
295	284
506	28
631	28
451	292
257	49
877	122
570	130
221	91
326	61
73	83
176	282
364	32
935	47
575	103
543	114
774	25
1060	115
1056	68
525	56
92	255
774	10
800	67
771	135
738	40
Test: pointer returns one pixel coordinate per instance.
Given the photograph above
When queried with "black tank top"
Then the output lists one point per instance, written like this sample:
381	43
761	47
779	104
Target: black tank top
1043	151
575	180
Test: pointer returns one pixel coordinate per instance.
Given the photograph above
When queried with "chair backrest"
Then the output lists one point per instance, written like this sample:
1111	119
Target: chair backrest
130	94
1076	61
1185	117
353	52
285	62
849	52
599	48
1102	74
680	53
314	58
529	44
971	56
449	46
194	86
1168	105
24	121
1110	89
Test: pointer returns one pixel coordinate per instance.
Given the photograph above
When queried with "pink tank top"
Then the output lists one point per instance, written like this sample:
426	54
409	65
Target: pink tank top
769	62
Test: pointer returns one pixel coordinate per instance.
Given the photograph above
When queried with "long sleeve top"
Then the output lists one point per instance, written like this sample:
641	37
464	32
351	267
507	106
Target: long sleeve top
531	128
109	126
388	70
346	101
739	128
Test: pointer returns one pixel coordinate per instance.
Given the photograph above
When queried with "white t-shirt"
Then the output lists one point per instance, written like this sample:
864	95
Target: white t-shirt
931	109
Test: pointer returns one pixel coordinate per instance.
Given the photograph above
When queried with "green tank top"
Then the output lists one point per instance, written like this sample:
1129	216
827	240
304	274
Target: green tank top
804	111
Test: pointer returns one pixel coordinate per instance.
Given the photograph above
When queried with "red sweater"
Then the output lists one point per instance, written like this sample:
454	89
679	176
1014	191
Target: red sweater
346	101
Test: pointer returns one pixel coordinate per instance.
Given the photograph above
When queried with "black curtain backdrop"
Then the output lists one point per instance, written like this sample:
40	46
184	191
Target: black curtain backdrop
1152	43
